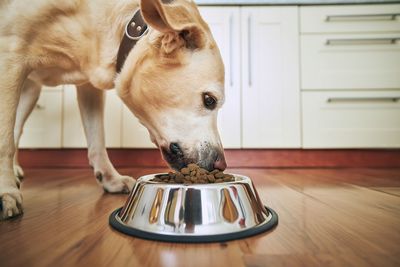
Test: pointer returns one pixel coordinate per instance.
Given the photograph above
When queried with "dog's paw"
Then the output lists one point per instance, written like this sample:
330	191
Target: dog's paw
116	183
18	171
10	202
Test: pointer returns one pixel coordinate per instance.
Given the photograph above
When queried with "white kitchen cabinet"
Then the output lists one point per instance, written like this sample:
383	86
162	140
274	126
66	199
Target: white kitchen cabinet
73	133
270	77
43	127
224	23
346	119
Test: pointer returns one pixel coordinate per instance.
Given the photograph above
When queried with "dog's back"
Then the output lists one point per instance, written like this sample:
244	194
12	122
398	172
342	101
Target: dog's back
25	24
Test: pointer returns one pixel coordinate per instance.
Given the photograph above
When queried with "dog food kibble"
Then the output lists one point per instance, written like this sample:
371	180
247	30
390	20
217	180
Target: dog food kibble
193	174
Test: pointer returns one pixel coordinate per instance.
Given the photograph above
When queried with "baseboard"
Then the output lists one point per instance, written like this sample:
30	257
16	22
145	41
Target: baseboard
236	158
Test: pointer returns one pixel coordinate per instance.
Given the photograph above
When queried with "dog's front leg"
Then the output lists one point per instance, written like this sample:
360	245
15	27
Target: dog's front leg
29	96
91	105
12	76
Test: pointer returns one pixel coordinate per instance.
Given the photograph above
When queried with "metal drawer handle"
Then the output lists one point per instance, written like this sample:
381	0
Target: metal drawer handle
249	48
231	49
363	99
38	106
364	41
371	17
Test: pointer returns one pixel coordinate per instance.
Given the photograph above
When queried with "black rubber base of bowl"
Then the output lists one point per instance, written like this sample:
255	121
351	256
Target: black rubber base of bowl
194	238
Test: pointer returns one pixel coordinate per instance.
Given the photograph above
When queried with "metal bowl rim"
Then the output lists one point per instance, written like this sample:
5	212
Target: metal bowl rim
146	180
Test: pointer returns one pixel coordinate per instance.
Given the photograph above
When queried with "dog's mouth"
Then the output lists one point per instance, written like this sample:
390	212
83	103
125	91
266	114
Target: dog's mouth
174	157
207	157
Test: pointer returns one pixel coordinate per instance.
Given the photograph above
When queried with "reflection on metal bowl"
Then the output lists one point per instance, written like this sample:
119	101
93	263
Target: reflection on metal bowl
193	213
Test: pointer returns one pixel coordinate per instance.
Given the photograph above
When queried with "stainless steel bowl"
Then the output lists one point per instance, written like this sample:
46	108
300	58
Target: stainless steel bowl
193	213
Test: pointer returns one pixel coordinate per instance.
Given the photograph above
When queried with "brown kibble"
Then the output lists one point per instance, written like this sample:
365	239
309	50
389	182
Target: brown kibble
185	171
227	179
203	177
202	171
193	174
219	175
192	166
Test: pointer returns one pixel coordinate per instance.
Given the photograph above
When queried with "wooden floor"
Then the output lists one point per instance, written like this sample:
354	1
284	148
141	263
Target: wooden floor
330	217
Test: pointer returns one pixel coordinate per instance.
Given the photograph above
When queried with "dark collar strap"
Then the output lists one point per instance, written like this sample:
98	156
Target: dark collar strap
134	30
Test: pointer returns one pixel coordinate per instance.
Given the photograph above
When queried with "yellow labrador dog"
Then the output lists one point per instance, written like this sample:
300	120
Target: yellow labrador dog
172	79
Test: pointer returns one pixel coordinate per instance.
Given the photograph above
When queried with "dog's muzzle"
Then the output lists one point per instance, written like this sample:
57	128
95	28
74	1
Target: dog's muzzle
207	157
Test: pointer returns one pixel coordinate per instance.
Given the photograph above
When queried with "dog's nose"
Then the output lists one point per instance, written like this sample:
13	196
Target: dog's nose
175	149
220	164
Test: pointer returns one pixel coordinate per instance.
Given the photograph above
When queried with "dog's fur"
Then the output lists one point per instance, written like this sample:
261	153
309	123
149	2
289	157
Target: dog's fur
163	81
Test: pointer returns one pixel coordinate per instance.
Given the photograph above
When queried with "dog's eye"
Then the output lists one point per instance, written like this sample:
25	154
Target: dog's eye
209	101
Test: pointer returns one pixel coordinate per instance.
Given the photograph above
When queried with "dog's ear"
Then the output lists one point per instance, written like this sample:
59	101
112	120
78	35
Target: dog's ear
179	20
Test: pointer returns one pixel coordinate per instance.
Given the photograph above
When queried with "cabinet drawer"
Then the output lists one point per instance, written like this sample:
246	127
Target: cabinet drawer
343	19
364	119
43	127
356	61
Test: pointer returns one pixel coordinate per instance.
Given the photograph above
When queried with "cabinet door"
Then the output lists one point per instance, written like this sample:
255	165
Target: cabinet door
224	23
270	84
73	133
43	127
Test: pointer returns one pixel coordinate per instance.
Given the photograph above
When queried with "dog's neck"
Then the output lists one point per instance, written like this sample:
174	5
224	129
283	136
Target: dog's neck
121	14
113	16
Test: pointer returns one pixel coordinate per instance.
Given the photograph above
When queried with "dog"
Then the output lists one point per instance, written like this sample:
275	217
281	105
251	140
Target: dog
172	79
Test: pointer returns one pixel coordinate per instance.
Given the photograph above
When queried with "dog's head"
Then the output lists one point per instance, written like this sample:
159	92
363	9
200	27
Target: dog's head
173	81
